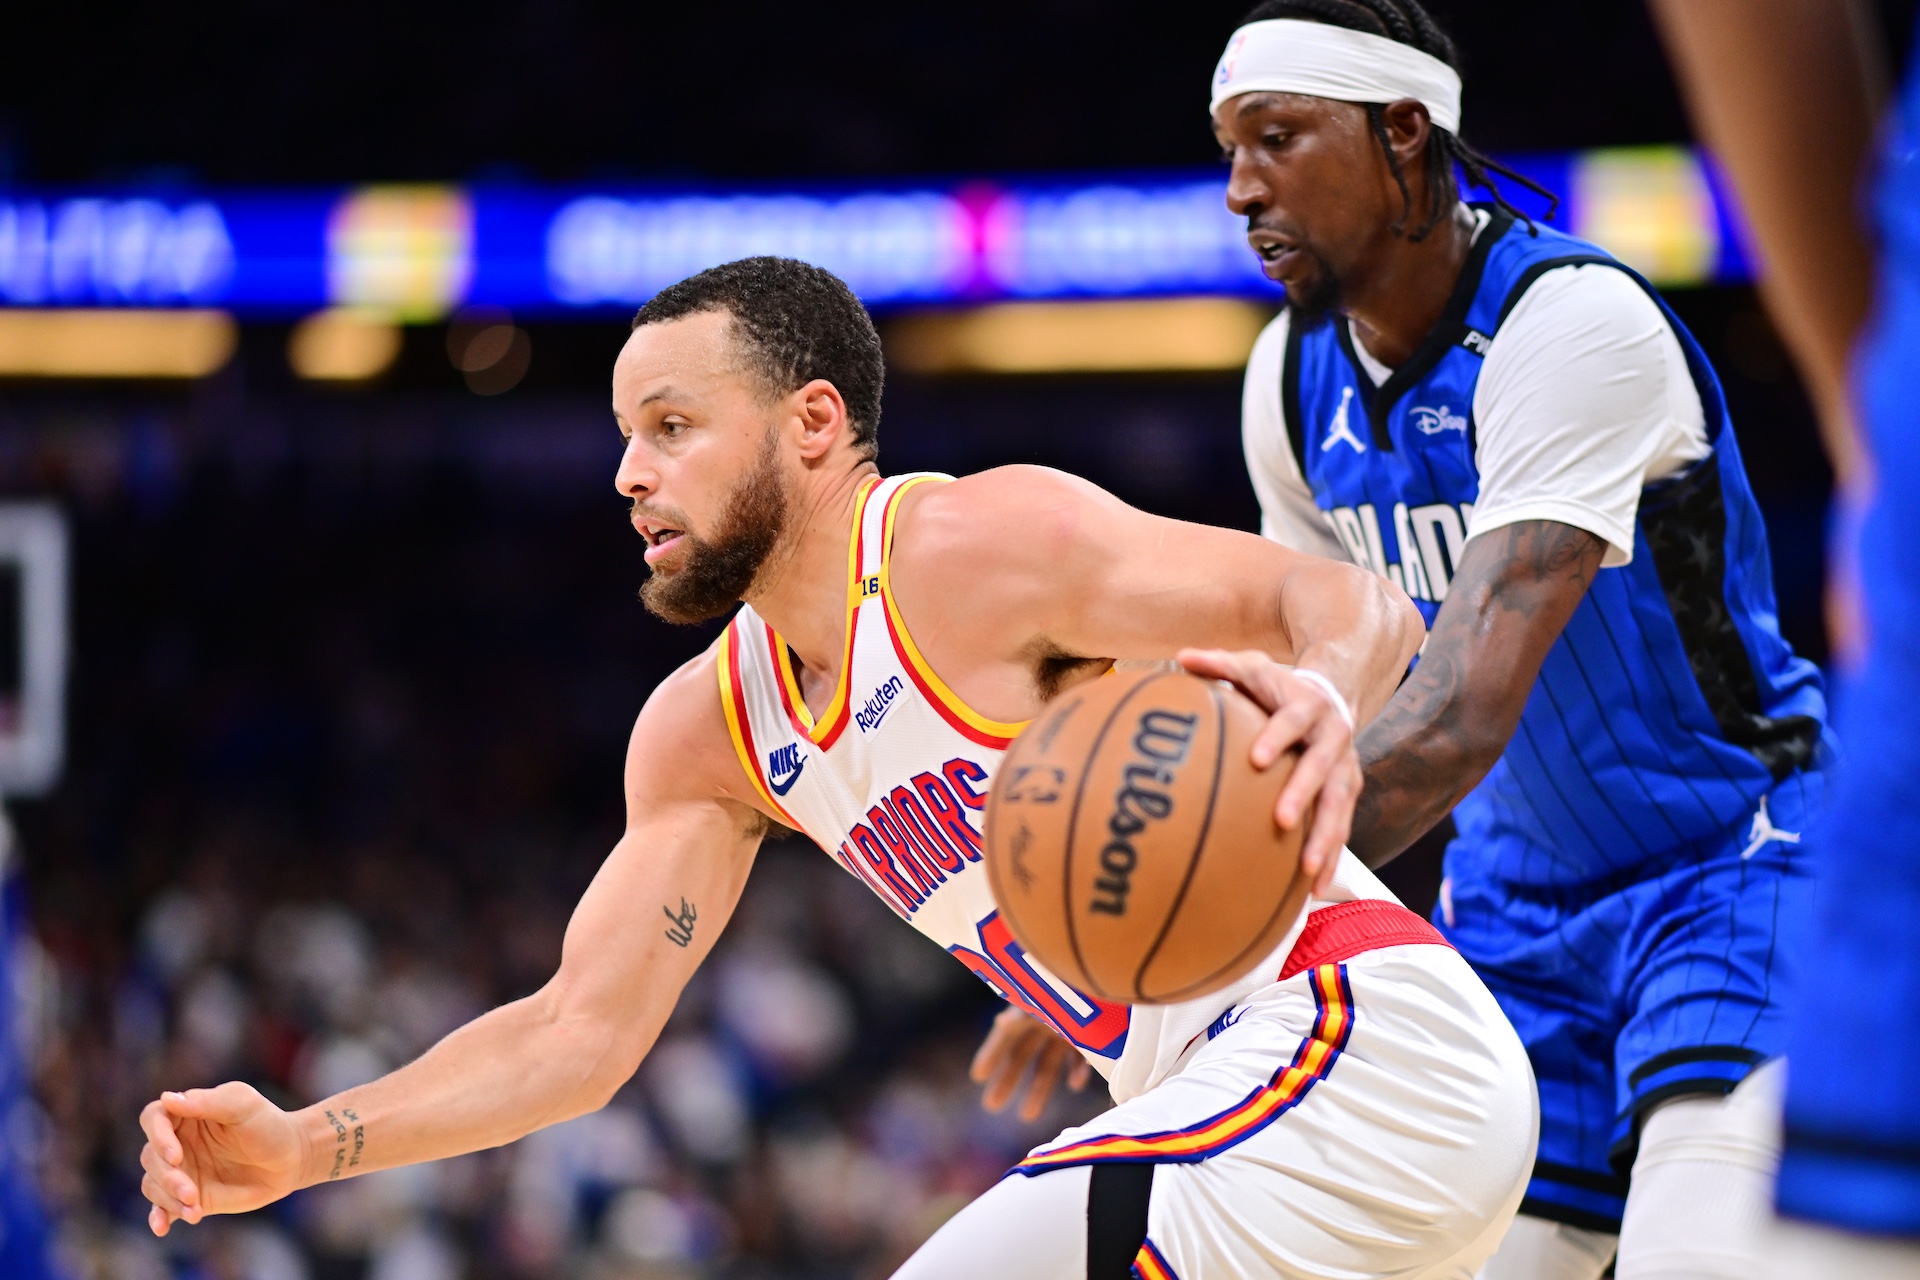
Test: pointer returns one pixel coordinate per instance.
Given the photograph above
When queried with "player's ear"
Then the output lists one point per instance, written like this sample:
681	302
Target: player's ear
821	418
1408	127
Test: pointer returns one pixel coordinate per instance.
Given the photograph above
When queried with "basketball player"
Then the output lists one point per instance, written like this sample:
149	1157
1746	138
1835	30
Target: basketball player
1513	426
1356	1106
1787	92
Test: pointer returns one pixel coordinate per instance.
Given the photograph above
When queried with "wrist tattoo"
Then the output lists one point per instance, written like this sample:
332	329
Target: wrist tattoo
348	1144
680	925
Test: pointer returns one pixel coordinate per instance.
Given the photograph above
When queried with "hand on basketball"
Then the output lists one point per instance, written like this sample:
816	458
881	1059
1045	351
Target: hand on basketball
1017	1040
1300	714
223	1150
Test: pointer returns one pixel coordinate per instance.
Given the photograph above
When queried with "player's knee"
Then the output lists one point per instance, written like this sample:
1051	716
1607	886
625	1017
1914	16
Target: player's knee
1742	1128
1700	1203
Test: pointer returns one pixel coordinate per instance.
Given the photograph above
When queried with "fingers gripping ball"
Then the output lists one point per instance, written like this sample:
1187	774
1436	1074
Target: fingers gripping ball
1131	844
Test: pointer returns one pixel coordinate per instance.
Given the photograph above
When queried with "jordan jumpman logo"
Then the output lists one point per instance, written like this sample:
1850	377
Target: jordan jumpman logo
1341	429
1764	832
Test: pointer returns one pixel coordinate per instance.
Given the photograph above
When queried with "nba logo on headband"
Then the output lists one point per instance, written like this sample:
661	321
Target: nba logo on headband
1224	72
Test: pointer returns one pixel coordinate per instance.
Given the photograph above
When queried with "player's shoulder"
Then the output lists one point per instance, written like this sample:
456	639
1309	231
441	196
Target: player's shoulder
1015	512
1012	543
1579	301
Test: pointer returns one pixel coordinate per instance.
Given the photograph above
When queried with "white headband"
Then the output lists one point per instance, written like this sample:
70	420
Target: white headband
1287	55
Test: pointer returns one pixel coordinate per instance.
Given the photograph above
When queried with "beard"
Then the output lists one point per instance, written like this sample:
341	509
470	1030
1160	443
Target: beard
717	572
1319	296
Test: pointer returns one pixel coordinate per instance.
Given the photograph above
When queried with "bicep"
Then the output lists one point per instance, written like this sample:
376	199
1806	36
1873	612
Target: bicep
659	901
654	911
1511	597
1148	586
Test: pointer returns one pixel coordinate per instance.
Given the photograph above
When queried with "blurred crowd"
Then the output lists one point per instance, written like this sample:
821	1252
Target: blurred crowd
806	1113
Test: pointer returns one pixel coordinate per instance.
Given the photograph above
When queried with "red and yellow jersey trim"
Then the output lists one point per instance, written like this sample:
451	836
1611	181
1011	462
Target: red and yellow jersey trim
1332	1024
839	713
1150	1264
997	735
733	701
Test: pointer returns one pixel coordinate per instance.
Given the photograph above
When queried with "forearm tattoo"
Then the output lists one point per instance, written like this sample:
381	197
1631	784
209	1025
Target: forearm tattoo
680	924
1513	592
348	1143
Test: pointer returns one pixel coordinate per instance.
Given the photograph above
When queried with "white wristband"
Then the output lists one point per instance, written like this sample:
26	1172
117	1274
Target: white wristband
1326	686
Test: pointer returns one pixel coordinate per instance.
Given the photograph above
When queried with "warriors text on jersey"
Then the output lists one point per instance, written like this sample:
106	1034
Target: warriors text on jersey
892	778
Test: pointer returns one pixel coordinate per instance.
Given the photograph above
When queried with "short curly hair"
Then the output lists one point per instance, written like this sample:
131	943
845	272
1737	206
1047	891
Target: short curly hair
795	322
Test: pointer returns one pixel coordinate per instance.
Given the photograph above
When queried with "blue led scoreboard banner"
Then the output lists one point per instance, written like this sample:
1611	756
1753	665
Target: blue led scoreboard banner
418	252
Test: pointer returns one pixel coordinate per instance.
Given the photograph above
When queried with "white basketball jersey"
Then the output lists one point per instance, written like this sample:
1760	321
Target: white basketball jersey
892	778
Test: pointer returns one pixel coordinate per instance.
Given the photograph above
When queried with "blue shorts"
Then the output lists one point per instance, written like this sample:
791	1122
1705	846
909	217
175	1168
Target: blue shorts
1632	991
1852	1157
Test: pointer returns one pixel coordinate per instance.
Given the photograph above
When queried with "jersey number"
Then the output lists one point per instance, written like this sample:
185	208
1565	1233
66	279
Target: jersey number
1088	1023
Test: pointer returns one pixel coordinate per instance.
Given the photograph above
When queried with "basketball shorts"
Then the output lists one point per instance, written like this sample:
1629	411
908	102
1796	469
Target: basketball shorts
1852	1151
1629	994
1372	1118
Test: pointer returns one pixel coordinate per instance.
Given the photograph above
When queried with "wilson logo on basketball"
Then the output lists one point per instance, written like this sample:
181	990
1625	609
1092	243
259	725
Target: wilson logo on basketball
1131	845
1160	746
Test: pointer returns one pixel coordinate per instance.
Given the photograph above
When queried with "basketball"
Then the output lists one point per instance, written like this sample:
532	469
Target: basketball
1131	845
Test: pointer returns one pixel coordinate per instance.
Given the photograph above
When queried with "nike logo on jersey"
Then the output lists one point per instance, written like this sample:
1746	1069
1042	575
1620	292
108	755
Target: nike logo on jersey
783	768
878	703
1431	422
1341	432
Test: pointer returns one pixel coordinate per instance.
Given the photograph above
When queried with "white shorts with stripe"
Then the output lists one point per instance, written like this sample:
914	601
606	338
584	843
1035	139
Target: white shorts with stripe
1369	1118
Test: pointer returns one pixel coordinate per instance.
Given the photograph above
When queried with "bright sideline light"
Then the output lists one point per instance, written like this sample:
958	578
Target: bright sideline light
1155	335
1653	206
344	344
111	343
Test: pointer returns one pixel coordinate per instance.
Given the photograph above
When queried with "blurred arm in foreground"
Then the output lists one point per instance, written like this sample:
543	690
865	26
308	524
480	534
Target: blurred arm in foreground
1786	93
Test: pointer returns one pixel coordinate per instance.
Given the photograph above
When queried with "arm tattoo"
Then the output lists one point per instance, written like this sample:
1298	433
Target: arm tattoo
1511	596
680	924
348	1145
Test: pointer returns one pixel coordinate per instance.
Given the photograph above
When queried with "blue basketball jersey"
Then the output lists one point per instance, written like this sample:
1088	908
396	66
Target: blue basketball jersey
1852	1155
1670	705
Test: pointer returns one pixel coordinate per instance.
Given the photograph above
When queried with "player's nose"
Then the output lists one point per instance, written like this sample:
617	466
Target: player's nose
1247	191
636	477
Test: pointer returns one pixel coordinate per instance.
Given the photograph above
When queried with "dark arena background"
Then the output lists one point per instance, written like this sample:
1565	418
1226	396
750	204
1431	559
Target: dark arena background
354	642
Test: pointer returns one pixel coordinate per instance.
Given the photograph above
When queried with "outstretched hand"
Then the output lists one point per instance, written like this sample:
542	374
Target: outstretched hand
1017	1040
1300	714
224	1150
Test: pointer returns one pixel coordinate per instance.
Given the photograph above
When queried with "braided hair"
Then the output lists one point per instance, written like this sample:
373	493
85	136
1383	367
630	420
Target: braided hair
1408	23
